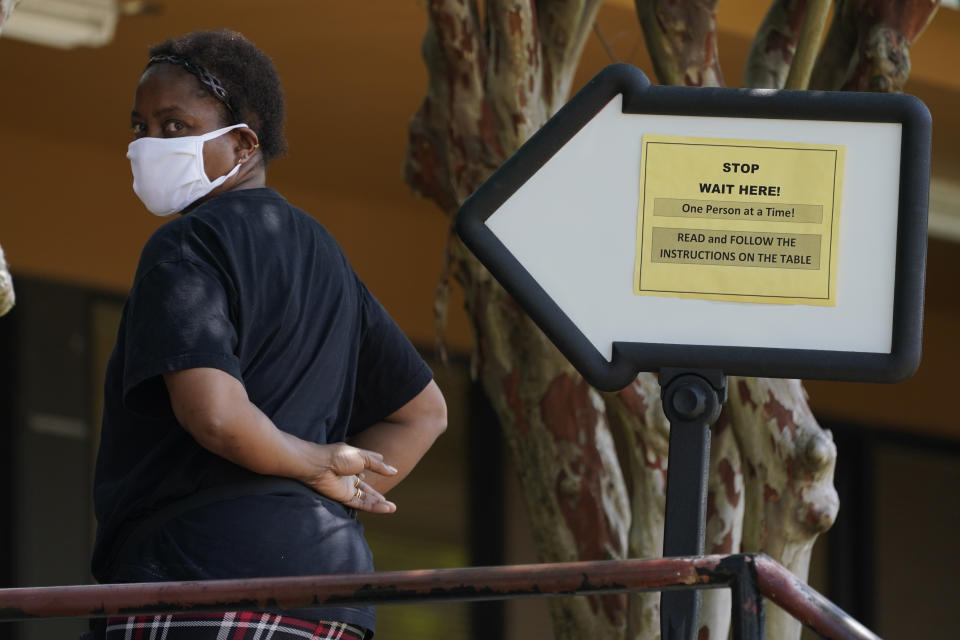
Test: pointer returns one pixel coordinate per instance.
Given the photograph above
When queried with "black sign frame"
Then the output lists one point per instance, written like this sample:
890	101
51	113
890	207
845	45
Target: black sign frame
640	97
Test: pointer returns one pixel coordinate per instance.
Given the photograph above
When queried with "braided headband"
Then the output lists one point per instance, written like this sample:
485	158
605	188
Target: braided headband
208	79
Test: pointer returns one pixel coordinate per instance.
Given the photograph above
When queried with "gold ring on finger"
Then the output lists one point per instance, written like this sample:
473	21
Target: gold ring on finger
356	485
359	494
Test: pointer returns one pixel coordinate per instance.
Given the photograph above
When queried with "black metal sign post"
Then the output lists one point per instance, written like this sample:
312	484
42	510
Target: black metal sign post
691	402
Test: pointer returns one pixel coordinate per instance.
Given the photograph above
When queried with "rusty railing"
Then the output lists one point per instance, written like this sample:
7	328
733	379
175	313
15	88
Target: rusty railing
747	576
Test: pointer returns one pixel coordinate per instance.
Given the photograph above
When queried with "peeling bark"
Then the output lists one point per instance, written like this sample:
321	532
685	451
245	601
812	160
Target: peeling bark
682	40
811	32
868	45
7	297
833	60
6	8
788	465
637	414
556	430
493	81
514	79
774	45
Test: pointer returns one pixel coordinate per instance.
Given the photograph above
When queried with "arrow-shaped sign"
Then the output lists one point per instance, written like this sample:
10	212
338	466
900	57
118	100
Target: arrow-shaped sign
758	232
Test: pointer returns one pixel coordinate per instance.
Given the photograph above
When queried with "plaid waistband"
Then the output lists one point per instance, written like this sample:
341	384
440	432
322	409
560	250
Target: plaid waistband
233	625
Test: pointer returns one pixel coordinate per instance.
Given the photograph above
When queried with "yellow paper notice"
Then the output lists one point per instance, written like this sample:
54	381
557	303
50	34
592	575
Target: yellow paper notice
739	220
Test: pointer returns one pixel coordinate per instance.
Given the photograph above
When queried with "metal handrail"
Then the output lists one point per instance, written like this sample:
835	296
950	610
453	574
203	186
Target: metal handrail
747	576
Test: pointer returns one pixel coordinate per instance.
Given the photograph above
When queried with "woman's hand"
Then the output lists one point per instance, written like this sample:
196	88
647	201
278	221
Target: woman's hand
337	472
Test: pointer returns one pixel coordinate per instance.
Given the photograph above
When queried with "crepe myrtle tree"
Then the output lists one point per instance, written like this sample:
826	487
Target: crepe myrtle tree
6	286
592	465
6	283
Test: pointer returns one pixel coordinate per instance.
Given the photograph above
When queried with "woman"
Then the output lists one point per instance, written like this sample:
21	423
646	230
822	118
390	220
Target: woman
257	395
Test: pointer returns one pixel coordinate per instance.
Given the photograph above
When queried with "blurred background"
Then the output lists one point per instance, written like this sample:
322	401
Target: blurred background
72	230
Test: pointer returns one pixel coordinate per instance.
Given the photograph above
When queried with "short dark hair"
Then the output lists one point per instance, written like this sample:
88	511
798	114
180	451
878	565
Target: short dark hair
254	95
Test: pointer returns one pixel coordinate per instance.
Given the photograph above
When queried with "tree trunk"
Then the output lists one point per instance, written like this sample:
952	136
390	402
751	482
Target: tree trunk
868	45
6	8
682	40
808	43
494	79
771	52
788	482
7	298
558	436
636	413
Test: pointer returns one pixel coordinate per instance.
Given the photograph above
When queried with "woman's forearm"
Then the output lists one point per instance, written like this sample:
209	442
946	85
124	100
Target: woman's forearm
247	437
220	417
214	408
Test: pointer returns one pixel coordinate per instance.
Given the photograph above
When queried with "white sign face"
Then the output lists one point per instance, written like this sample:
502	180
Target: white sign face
574	225
773	233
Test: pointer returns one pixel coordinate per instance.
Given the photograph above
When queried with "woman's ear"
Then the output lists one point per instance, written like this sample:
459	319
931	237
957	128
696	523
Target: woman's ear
246	145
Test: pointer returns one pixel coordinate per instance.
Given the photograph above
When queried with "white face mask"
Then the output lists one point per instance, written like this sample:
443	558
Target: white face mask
168	173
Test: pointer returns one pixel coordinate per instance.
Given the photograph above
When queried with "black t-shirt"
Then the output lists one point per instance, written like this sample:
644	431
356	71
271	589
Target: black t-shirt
251	285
